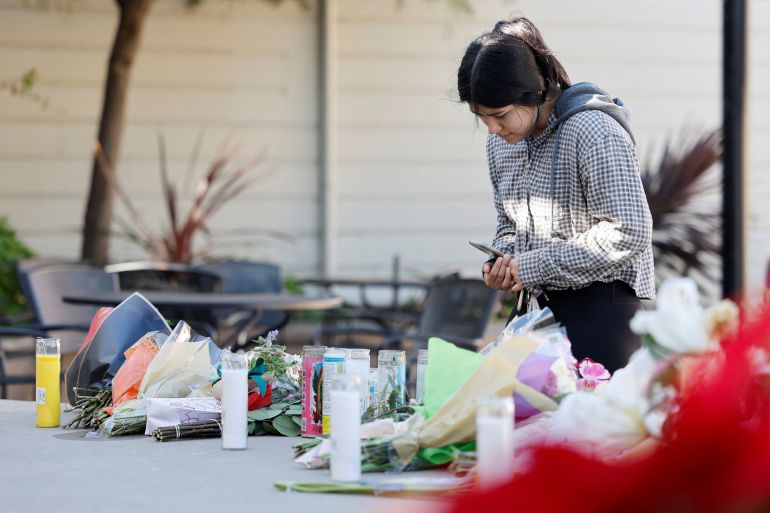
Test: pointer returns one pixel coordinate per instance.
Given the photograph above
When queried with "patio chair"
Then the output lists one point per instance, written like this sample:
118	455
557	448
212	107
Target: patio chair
46	287
171	276
247	276
455	309
23	349
22	268
44	284
167	276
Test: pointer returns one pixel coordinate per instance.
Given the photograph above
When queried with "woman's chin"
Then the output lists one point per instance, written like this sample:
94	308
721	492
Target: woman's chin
511	138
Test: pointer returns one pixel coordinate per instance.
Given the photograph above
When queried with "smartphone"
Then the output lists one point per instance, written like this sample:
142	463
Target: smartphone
486	248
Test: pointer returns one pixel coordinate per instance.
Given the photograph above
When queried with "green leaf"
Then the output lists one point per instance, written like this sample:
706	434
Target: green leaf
658	352
294	410
264	414
297	420
286	426
269	429
279	406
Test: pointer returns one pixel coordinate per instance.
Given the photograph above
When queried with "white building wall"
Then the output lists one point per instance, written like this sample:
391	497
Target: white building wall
242	72
411	168
758	158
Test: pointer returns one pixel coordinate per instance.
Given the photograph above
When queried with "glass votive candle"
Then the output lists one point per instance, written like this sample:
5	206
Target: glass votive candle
345	433
494	440
235	400
47	388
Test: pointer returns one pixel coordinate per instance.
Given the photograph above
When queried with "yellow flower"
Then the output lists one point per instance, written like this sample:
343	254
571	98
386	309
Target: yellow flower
721	319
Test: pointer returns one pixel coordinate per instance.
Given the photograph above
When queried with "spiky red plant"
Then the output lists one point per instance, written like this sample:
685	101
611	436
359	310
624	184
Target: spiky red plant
222	181
682	190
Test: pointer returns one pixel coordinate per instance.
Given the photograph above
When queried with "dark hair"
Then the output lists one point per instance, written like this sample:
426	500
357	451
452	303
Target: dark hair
511	64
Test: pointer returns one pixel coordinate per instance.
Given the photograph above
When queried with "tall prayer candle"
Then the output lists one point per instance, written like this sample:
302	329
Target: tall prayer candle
333	364
312	381
47	391
346	428
494	441
234	400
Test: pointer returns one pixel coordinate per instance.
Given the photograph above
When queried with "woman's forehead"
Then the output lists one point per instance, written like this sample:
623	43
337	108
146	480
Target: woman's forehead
483	110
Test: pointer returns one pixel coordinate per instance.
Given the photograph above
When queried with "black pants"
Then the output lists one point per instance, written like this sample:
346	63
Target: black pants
597	320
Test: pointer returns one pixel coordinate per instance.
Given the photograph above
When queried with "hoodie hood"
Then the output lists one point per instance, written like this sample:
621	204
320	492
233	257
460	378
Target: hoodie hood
577	98
587	96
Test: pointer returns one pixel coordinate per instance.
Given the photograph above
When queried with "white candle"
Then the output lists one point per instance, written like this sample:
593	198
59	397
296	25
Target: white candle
346	429
234	401
494	441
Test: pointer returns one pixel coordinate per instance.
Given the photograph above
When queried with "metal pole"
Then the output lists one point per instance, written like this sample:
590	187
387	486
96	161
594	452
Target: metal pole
733	109
327	191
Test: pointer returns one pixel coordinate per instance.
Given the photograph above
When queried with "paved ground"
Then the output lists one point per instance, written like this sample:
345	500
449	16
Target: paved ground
61	471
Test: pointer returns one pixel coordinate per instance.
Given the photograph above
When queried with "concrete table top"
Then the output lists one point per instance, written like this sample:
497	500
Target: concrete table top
61	471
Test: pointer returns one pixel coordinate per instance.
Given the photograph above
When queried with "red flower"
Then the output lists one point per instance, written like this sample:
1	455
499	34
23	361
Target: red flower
257	400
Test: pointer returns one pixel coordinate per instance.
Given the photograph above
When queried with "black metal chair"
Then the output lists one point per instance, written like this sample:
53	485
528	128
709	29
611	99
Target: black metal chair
170	276
247	276
455	309
164	276
22	268
25	350
44	283
46	287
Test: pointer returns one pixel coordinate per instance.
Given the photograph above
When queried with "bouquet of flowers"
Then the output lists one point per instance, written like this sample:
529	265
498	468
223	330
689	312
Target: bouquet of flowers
274	374
274	388
711	454
633	406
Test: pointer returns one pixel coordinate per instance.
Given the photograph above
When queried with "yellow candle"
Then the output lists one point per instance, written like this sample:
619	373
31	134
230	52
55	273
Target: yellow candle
47	370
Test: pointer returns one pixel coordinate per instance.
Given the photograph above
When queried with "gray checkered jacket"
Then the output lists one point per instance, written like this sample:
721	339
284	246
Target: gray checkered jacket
570	201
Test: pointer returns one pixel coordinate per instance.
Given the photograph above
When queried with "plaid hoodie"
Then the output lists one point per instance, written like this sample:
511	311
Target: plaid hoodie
570	201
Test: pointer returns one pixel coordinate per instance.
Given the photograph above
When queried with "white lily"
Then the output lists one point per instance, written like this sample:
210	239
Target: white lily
679	323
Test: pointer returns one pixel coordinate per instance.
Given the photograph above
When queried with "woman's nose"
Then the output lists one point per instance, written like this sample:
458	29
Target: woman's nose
493	127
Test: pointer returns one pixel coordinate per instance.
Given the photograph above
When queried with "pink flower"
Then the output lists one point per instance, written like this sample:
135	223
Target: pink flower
591	374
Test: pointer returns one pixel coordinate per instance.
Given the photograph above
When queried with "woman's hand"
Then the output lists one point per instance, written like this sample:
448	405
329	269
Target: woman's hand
497	274
516	276
503	274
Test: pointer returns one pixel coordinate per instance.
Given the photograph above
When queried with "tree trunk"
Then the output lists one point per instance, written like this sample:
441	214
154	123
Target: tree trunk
98	215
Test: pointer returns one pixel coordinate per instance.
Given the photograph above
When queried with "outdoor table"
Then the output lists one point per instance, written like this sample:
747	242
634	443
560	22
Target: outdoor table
52	469
328	282
211	300
387	317
206	302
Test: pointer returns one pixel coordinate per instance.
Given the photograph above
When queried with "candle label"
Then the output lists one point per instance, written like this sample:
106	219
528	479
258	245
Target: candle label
420	386
391	387
332	365
312	403
40	395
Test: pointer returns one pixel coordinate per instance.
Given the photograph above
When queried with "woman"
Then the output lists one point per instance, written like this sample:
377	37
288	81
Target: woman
572	217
